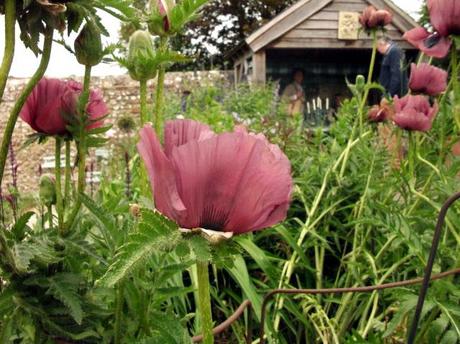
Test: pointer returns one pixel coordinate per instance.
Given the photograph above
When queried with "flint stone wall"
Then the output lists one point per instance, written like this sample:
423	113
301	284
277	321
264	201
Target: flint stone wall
122	97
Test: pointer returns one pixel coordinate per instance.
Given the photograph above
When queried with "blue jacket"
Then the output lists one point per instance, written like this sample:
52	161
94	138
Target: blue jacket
392	75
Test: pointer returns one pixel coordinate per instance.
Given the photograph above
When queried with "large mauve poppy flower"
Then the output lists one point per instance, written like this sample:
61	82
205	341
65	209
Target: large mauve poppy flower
372	18
52	100
444	16
427	79
232	182
431	44
414	113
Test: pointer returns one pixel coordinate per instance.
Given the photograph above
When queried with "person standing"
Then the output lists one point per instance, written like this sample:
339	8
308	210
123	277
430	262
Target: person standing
294	93
392	77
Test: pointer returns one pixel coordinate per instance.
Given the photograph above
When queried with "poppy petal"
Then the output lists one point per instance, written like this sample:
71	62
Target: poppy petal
161	175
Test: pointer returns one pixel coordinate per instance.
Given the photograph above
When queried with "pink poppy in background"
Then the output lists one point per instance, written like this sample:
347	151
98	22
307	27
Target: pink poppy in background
427	79
414	113
51	99
372	18
431	44
382	112
165	7
233	182
96	108
444	16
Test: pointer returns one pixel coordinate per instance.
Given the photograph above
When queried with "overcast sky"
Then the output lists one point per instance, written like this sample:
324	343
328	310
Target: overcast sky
63	64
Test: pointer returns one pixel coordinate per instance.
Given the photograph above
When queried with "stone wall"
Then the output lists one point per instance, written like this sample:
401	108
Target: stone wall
121	95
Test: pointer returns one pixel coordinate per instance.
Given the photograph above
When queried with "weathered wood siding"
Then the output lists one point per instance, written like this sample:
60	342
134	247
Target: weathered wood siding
321	30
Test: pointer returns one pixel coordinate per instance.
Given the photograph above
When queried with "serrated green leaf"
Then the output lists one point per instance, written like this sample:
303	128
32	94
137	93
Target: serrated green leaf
200	248
450	337
155	233
64	288
20	227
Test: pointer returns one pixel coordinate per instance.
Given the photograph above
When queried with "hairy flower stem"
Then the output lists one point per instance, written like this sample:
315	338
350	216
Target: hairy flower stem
118	313
81	147
8	53
456	84
204	301
158	120
14	114
143	98
412	157
369	81
68	171
57	174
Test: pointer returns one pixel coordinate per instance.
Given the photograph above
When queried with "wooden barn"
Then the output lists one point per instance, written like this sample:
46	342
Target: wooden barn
322	37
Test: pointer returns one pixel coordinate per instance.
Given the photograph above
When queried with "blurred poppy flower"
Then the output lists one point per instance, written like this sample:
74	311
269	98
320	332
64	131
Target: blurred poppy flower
444	16
431	44
164	7
427	79
382	112
372	18
52	100
54	7
96	109
232	182
414	113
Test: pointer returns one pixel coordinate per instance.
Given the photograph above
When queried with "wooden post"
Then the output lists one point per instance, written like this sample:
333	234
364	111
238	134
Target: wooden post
259	67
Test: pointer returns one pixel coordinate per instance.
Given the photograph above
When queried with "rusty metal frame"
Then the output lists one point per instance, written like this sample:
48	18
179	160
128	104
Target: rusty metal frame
425	281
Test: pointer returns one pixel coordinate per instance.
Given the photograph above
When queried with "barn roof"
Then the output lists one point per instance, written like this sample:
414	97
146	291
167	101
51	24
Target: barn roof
314	23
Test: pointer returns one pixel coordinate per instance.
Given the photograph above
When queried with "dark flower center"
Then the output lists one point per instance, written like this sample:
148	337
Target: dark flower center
213	218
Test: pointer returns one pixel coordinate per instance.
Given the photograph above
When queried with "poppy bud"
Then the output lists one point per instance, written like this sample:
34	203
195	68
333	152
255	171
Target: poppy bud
140	50
47	191
88	46
360	83
135	209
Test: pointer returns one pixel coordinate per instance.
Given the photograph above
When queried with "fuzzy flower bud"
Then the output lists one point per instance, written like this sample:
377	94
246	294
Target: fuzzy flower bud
88	46
140	51
47	191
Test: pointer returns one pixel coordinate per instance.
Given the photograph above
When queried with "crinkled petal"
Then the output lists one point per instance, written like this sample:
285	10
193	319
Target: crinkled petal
432	45
96	109
179	132
42	110
161	175
232	182
427	79
444	16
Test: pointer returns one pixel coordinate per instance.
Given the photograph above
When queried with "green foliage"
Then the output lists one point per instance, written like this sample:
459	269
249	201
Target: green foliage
154	233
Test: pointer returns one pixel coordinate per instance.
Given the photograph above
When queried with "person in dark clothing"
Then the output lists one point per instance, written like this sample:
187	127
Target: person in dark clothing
393	77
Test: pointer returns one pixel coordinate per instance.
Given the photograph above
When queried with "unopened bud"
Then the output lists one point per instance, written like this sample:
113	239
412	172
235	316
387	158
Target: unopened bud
88	45
360	82
47	190
140	50
135	209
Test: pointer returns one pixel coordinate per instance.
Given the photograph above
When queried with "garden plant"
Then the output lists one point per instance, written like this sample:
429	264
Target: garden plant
203	210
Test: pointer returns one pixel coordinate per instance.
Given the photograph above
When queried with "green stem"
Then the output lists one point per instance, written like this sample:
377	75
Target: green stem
57	174
8	54
204	301
412	156
67	181
143	95
456	85
50	216
14	114
118	313
158	121
369	80
81	147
